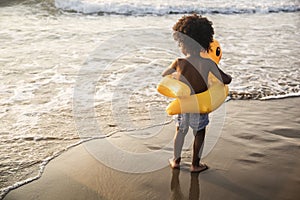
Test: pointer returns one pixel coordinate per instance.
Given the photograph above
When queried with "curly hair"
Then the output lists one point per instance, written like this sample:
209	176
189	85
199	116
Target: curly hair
193	28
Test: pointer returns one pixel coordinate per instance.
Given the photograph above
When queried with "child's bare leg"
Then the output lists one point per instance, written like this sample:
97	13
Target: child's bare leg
178	144
197	151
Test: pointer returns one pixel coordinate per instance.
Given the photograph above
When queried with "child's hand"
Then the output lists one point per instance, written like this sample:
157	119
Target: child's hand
174	75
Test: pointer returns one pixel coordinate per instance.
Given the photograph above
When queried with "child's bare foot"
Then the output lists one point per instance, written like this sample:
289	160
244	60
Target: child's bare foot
174	164
198	169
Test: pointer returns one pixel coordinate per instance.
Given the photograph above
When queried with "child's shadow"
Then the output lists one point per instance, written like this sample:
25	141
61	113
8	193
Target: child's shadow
216	179
176	189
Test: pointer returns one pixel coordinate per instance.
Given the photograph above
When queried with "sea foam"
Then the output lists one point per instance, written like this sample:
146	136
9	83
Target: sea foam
171	7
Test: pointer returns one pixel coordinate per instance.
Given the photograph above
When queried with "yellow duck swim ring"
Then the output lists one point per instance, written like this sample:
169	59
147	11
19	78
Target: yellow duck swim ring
204	102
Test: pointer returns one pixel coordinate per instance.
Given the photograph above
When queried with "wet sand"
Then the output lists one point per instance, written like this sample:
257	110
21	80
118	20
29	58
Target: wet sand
256	157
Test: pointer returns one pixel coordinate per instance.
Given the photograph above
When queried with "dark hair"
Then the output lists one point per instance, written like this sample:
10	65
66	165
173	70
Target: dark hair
193	28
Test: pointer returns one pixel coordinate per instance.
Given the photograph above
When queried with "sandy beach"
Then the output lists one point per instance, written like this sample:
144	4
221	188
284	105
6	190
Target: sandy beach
60	55
256	157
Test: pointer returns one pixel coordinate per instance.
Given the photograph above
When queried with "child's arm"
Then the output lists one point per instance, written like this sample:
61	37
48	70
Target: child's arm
225	78
171	69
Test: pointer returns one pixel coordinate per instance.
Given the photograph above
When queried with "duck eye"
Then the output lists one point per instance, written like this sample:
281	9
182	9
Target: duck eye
218	51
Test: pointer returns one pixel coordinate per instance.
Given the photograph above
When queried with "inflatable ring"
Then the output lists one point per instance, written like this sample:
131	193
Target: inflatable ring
204	102
173	88
215	52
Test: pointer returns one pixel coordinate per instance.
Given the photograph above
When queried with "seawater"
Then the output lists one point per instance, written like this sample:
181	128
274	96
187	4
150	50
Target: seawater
47	45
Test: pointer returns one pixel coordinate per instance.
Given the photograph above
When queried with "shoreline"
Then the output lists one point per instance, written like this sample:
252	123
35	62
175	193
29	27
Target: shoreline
255	158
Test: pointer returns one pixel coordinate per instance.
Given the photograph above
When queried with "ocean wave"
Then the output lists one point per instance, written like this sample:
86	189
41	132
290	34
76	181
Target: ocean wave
260	96
139	8
160	8
282	96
